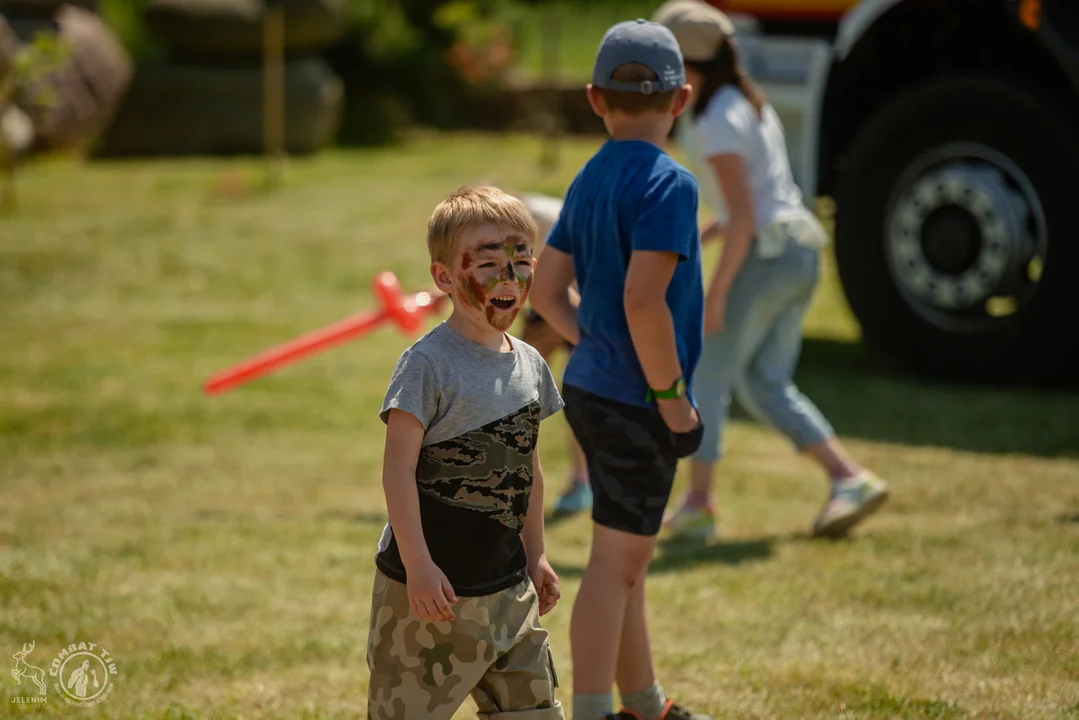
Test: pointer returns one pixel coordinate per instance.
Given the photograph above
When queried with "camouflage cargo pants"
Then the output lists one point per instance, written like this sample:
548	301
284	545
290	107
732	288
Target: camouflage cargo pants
494	650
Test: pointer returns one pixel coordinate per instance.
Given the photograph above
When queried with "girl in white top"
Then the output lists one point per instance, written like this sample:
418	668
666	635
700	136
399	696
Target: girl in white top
765	279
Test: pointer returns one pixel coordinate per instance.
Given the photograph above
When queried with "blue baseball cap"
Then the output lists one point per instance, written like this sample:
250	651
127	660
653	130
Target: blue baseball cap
645	43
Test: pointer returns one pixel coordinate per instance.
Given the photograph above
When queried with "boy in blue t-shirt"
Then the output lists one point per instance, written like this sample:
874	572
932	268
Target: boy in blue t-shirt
627	234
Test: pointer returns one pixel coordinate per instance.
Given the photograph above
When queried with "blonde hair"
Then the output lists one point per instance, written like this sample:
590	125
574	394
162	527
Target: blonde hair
471	206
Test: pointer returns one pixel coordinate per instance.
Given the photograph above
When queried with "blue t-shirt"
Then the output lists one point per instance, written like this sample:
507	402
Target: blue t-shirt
630	195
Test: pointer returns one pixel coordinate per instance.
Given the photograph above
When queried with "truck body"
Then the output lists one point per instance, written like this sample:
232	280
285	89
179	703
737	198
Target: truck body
947	134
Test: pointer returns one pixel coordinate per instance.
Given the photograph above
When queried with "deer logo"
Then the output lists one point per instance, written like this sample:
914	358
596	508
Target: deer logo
24	670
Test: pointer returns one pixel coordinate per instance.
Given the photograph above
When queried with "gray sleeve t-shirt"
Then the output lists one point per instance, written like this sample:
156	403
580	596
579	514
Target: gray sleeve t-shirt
480	410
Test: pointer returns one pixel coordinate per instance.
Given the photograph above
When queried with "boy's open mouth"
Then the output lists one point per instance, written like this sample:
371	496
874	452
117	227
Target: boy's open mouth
504	302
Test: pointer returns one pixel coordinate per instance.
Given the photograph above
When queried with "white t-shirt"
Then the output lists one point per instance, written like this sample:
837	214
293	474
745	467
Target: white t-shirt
689	139
730	125
545	211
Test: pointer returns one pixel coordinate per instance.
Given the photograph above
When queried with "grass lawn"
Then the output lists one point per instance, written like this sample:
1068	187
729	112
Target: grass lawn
221	548
574	28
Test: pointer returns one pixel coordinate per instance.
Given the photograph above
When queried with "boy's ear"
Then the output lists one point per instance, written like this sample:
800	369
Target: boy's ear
441	275
595	99
681	99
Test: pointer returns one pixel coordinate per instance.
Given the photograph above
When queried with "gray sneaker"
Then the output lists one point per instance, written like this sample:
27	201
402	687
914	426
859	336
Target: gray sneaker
851	502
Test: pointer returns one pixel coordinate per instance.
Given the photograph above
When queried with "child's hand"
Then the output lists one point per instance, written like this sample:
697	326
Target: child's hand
712	232
678	415
715	310
430	594
545	580
543	337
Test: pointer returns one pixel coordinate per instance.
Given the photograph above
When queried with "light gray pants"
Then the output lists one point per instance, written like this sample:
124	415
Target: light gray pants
757	352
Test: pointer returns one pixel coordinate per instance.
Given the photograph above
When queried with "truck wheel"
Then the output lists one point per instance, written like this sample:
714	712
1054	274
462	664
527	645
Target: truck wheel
955	235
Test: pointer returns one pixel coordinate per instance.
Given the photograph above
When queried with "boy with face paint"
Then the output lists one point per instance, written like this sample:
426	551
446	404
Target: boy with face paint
627	234
462	574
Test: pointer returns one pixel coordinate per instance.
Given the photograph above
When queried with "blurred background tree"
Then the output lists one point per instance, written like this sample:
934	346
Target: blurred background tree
21	78
437	63
418	61
125	17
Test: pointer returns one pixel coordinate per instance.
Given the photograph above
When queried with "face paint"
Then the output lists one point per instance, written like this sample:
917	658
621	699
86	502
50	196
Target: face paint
508	274
464	297
479	290
500	321
495	273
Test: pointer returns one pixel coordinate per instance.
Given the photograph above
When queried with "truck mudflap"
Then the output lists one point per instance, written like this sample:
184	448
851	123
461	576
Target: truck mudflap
1056	24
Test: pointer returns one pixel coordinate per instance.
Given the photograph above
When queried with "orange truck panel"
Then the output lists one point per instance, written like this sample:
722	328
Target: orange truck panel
787	9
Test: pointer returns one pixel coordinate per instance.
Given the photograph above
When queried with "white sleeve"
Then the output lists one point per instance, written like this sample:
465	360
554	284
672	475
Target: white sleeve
724	128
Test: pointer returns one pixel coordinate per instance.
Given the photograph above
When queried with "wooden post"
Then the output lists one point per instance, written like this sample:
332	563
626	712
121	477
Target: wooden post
273	89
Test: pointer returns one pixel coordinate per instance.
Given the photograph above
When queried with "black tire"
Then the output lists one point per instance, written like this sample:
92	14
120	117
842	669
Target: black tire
40	8
8	46
27	28
201	30
179	110
1033	344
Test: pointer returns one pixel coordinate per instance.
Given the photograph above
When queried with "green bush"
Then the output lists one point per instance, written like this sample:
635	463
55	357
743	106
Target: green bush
402	61
416	61
424	61
125	19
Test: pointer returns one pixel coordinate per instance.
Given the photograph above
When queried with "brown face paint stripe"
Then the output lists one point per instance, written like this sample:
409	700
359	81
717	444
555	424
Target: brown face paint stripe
477	293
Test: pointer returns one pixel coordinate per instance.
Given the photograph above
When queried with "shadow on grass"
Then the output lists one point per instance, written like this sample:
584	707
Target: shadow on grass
863	398
675	555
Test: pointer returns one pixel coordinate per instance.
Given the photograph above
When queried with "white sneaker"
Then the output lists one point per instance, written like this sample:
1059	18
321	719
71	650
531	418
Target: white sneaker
697	523
851	502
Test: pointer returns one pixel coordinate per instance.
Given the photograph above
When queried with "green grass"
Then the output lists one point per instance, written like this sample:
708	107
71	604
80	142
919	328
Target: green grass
221	548
573	29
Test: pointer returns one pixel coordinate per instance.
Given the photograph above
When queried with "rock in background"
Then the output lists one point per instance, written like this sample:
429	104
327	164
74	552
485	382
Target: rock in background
16	128
28	17
87	86
205	97
71	103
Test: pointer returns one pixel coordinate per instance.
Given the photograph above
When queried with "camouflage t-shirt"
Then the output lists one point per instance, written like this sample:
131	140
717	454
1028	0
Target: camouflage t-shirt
481	411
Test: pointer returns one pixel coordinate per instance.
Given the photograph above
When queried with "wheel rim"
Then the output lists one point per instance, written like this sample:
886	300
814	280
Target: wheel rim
966	237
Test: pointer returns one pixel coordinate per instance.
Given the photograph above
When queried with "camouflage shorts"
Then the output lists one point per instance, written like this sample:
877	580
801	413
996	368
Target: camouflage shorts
494	650
632	459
